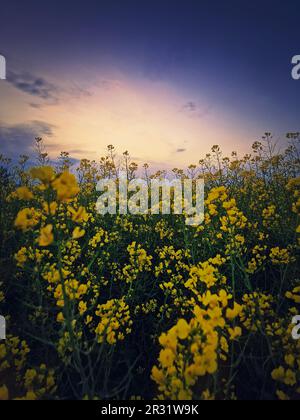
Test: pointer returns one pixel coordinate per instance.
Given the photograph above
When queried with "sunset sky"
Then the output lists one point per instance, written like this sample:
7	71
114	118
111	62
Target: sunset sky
164	79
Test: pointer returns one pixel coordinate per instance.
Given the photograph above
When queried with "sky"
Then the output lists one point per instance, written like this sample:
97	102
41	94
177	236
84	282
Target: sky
163	79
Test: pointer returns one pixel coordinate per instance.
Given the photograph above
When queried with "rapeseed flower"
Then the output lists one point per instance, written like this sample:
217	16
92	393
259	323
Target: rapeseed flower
78	233
27	219
23	193
66	186
45	174
46	237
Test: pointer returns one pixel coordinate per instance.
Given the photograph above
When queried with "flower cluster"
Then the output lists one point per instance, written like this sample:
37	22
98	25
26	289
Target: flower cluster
115	322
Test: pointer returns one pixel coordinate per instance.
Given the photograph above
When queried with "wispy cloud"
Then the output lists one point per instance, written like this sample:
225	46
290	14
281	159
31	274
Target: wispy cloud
45	92
109	84
194	110
76	91
190	106
35	86
18	139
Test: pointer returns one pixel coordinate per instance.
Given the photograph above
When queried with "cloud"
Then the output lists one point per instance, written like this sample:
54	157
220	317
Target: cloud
109	84
45	92
35	105
192	109
76	91
19	139
190	106
35	86
82	152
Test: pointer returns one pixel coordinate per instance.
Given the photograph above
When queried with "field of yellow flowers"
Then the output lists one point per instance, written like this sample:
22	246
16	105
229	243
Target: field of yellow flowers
127	307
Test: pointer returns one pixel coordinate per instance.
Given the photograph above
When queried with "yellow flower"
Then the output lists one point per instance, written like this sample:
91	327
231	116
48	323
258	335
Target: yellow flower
78	233
205	272
60	317
82	307
209	361
235	332
290	378
21	257
207	396
169	340
29	377
50	209
88	320
52	276
3	393
23	193
235	312
46	236
80	215
280	256
183	329
30	396
66	186
278	374
282	396
45	174
224	298
184	395
115	321
224	345
293	296
166	357
27	219
157	375
290	360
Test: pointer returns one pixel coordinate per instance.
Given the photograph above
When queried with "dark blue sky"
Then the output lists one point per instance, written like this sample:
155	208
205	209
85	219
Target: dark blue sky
237	53
236	42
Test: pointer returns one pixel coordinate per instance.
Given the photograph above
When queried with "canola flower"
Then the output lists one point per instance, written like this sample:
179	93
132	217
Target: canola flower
66	187
115	322
27	219
46	237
